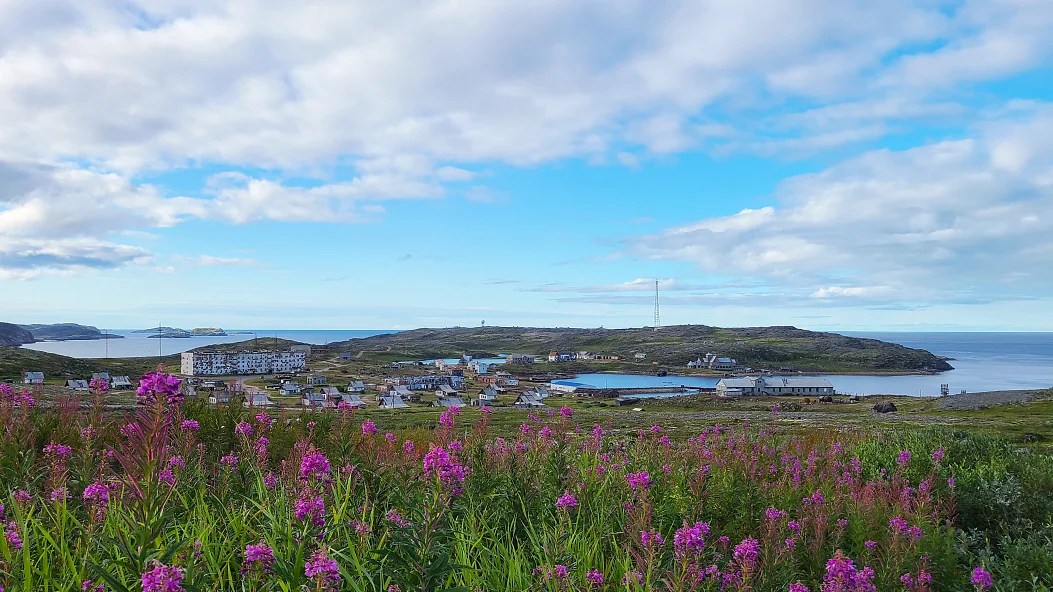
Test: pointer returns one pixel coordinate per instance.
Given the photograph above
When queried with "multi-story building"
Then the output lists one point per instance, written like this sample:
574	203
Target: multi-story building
231	363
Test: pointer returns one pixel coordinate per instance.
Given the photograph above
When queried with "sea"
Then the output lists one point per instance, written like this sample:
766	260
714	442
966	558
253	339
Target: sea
982	361
140	345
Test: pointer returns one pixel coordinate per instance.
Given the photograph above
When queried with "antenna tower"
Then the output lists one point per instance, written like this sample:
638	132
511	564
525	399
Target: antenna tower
657	322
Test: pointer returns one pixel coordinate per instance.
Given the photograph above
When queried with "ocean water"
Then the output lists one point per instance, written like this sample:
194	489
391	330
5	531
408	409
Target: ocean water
982	362
138	345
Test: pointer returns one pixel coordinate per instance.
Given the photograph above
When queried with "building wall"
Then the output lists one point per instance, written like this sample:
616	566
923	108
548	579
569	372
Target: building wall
212	364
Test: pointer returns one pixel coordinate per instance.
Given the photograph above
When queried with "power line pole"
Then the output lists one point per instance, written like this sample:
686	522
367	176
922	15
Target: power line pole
657	321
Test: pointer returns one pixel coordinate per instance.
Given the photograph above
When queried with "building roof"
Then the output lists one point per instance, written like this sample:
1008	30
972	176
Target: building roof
529	399
738	382
725	360
392	402
447	389
77	383
35	375
121	380
449	402
805	382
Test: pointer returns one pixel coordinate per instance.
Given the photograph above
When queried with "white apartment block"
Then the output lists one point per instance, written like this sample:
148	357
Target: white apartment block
222	363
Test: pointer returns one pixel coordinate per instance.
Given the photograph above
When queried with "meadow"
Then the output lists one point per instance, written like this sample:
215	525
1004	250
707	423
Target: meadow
180	496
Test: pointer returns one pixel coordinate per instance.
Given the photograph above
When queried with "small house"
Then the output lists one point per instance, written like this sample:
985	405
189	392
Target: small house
449	402
316	380
528	400
402	391
313	400
33	378
392	401
101	376
345	356
352	401
219	397
487	396
722	364
445	390
640	356
519	359
77	385
121	383
290	388
257	400
356	386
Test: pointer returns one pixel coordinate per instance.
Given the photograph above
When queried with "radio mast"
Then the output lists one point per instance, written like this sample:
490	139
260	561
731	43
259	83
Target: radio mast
657	322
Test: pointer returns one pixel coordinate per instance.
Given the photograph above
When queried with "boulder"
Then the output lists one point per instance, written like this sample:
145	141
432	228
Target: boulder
826	399
885	407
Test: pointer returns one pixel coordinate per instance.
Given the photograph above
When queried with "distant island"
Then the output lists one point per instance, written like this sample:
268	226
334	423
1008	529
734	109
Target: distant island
641	350
11	334
176	333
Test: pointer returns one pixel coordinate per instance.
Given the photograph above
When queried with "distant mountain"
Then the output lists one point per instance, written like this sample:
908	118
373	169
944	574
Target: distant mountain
66	332
14	335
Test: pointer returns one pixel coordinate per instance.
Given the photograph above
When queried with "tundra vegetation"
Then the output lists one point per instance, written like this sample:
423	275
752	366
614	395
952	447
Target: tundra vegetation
179	496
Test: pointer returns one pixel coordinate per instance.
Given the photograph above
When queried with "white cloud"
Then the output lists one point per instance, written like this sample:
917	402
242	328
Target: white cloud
413	96
966	216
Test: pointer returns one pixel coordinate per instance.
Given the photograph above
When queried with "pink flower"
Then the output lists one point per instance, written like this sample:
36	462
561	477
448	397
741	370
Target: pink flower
163	578
746	552
323	570
229	461
391	438
638	481
408	447
270	480
566	501
158	384
690	540
981	579
310	509
258	557
842	576
190	425
395	518
243	429
314	465
903	459
566	412
937	455
595	578
798	587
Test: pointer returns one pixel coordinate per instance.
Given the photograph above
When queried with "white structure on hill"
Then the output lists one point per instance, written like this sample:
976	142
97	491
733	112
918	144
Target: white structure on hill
733	387
231	363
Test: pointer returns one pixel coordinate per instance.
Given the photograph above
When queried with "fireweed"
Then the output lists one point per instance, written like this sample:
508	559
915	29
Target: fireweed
331	502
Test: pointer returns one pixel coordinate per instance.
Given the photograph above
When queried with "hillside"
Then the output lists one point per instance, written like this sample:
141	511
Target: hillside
14	335
250	344
808	351
15	360
65	332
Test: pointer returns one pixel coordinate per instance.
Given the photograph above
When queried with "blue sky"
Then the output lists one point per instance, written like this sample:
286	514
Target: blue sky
826	164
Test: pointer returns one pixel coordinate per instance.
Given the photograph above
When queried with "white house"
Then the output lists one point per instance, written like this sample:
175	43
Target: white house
356	386
33	378
722	364
77	385
219	397
487	396
316	379
449	402
519	359
101	376
445	390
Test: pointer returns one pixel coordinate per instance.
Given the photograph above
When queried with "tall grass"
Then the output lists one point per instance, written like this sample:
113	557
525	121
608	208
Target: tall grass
552	506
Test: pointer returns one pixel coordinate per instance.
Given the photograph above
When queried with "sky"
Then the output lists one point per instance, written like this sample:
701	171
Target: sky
353	164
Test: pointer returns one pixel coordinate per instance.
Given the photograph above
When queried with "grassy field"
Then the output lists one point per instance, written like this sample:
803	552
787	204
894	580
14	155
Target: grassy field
685	494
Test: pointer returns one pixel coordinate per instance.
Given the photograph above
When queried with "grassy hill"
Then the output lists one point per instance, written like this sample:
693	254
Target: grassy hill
14	335
15	360
672	346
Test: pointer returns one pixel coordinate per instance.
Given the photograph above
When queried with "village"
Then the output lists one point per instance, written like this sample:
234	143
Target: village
283	378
